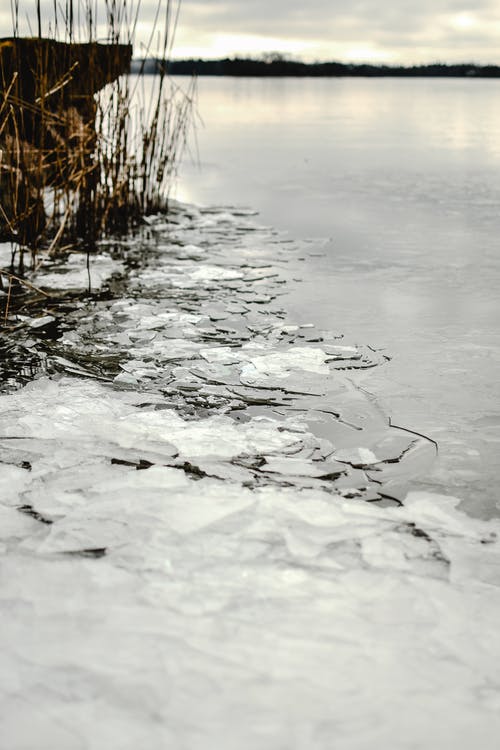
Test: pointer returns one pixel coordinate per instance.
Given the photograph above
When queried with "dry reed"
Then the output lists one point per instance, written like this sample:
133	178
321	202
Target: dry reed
77	167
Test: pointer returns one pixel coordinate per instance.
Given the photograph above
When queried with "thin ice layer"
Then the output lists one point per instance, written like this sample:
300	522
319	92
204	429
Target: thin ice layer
186	557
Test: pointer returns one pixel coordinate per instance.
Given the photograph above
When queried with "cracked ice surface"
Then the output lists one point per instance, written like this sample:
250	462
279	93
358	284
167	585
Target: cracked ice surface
187	559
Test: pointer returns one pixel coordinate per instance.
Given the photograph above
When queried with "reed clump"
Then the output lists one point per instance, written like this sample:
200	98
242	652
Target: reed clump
86	148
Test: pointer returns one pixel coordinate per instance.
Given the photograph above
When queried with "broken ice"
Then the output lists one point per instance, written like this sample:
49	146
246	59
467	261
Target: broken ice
188	559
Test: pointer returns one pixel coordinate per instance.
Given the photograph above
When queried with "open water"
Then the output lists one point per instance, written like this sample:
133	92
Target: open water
401	177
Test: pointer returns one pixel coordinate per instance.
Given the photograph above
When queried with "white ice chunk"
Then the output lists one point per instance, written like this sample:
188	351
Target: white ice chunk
215	273
75	275
42	321
279	364
5	254
13	482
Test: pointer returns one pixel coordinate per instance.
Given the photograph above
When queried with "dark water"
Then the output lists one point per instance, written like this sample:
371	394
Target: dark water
403	178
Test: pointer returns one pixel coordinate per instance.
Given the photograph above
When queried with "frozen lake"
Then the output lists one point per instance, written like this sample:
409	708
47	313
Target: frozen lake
210	535
401	176
198	544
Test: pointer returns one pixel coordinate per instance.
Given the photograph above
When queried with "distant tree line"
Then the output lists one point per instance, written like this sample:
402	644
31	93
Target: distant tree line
276	65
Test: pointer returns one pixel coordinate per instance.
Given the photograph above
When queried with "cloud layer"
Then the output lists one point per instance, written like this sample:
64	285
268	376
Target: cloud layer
395	30
401	31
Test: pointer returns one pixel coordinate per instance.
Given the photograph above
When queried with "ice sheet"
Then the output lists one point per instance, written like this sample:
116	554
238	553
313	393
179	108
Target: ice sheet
205	611
187	558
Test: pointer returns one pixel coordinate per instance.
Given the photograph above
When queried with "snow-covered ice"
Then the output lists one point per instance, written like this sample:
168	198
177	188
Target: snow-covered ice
212	541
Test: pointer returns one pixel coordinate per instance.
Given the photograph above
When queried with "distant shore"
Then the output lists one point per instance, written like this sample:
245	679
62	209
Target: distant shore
276	66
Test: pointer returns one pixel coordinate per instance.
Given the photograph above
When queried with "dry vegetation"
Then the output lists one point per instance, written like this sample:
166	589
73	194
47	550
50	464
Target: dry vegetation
85	151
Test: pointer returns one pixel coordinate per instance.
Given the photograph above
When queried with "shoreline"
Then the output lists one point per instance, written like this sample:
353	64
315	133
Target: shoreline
280	67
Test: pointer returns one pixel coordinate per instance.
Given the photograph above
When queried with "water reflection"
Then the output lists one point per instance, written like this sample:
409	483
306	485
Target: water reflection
402	176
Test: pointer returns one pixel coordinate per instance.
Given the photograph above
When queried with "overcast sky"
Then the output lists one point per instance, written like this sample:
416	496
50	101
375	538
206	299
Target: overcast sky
404	31
393	31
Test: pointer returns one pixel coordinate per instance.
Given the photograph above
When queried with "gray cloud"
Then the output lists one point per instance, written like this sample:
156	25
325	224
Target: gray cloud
406	30
389	24
289	17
